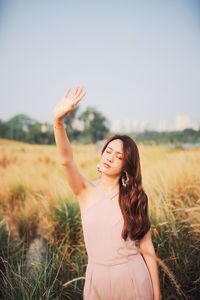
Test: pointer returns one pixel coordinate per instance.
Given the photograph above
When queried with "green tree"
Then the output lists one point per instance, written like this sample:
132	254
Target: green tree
19	126
69	122
96	126
3	129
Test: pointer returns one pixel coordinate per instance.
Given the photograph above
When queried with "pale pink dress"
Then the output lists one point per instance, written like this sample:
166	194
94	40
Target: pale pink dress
114	272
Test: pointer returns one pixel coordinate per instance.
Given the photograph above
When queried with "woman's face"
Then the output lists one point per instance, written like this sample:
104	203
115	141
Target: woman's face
112	158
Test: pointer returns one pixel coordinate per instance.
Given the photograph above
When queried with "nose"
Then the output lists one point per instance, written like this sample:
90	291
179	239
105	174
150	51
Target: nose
110	159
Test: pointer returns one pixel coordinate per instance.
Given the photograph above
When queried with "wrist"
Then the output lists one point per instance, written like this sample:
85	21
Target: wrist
58	123
59	127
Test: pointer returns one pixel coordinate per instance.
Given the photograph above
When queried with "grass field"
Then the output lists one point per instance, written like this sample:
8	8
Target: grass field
38	209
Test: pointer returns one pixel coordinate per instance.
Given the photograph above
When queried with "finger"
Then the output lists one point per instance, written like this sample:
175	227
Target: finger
75	92
79	93
80	97
67	92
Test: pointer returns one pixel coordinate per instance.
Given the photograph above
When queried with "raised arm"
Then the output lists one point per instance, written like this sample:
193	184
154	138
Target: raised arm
75	179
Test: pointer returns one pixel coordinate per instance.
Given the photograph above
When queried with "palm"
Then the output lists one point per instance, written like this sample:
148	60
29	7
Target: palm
68	102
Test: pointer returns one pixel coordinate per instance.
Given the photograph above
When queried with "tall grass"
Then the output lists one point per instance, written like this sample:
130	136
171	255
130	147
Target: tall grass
37	205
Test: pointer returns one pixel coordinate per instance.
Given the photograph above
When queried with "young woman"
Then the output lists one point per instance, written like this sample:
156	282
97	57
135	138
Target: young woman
114	213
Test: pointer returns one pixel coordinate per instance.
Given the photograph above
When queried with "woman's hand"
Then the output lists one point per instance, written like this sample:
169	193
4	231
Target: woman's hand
67	103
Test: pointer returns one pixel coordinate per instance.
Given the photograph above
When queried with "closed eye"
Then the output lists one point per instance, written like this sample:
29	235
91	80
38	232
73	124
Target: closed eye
108	151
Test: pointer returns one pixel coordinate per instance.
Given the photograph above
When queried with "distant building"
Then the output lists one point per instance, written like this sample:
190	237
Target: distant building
183	121
116	126
126	126
162	125
144	125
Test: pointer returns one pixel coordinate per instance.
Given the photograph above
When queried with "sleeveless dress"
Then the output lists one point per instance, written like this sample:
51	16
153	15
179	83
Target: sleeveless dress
114	271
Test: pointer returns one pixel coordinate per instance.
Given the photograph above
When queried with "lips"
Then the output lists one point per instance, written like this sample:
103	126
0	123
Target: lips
107	165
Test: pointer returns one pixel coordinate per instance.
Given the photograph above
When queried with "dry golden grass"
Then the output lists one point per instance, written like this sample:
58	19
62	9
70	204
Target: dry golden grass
32	179
172	182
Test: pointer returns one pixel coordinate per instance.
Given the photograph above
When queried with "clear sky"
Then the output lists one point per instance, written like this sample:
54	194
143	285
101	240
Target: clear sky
138	60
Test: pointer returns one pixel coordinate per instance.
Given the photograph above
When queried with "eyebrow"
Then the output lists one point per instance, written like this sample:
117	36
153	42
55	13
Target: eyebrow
112	149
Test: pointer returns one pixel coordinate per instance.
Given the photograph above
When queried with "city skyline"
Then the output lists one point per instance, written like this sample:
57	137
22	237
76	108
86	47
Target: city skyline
181	122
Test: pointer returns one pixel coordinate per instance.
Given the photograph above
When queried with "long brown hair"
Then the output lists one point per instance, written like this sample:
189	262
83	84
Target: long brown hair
133	200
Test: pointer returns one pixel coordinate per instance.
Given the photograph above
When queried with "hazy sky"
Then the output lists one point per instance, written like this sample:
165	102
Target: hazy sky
138	60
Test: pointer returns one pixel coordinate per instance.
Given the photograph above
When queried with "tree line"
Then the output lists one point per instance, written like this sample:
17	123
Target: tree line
88	126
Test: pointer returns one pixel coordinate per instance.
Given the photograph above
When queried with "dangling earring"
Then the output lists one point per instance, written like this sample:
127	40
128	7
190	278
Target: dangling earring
125	178
98	168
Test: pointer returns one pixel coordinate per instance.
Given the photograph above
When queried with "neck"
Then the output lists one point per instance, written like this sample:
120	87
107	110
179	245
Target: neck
109	183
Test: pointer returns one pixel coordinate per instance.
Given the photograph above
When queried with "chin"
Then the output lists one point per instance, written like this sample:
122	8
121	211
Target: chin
108	171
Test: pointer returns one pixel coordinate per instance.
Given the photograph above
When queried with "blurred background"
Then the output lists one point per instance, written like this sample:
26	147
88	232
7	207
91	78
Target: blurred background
140	65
